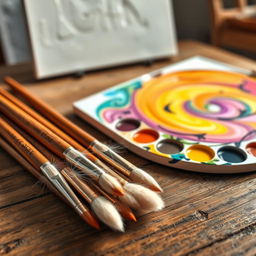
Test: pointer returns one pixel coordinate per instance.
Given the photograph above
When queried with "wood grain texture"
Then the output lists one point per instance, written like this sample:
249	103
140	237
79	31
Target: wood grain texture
204	214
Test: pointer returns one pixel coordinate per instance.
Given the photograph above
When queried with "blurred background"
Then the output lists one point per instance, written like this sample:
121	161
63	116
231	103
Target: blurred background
193	20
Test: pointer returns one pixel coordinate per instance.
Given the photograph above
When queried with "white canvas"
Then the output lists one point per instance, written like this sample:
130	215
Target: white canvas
74	35
13	33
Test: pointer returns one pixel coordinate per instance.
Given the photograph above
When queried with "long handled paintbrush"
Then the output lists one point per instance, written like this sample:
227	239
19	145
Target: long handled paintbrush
38	175
82	187
60	147
54	129
128	169
102	207
39	162
136	196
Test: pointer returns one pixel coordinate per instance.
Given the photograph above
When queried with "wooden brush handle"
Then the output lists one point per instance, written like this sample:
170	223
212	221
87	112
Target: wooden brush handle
22	145
34	171
41	119
81	187
40	132
98	189
47	124
84	138
39	146
86	214
80	135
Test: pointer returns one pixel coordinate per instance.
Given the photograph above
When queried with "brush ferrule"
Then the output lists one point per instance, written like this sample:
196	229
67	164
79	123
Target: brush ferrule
81	162
79	209
99	146
108	152
60	183
49	170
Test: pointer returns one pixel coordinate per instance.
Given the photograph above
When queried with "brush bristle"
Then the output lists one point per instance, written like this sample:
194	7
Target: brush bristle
107	213
128	199
111	185
139	176
142	198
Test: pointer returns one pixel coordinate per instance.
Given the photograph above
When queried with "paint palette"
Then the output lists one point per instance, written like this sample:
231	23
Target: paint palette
197	115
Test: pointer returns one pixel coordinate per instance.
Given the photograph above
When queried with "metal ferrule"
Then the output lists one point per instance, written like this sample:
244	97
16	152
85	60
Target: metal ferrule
82	162
112	155
55	177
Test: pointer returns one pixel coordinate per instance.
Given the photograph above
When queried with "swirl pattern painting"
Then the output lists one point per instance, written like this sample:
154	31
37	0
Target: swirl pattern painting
186	118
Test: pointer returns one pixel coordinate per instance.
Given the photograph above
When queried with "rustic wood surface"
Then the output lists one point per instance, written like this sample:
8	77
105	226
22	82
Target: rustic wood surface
204	214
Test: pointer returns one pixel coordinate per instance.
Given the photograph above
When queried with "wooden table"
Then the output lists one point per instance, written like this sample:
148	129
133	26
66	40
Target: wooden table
204	214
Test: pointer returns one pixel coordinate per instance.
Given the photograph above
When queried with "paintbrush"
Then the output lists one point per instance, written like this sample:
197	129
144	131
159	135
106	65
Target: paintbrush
102	207
38	175
39	162
60	147
6	146
53	128
44	121
128	169
124	210
137	196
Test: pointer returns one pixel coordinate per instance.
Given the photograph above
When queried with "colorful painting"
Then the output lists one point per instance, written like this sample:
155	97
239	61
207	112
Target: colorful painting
205	106
196	116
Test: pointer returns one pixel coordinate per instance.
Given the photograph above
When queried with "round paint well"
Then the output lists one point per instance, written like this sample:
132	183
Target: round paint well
251	148
169	146
145	136
126	125
231	154
200	153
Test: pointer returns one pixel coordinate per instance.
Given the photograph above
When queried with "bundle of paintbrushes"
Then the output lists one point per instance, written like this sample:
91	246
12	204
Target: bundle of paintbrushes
72	163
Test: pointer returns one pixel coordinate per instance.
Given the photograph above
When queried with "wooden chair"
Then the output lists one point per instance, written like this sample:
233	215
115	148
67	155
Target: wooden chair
234	27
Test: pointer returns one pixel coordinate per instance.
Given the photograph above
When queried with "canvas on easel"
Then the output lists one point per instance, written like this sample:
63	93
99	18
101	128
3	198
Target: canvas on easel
69	36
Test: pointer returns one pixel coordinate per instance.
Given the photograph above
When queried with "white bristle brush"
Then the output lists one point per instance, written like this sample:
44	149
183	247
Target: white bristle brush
132	172
137	175
102	207
107	213
109	184
141	198
136	196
